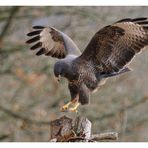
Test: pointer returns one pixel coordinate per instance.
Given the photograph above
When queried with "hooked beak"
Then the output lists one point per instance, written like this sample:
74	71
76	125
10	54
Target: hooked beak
58	78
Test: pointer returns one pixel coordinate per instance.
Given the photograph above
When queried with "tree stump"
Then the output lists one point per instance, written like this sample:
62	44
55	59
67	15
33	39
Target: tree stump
66	129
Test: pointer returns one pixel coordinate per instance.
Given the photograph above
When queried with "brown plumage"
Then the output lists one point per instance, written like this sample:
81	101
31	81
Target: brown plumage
114	46
48	40
108	53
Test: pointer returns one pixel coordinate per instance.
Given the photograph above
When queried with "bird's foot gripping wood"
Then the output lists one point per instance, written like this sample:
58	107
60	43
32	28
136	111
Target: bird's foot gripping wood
79	129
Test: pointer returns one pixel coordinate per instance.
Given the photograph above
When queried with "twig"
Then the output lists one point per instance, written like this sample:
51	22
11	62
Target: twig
133	126
17	116
2	137
105	136
3	18
111	114
8	23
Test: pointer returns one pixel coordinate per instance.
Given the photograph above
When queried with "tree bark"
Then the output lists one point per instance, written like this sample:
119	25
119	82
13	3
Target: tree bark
66	129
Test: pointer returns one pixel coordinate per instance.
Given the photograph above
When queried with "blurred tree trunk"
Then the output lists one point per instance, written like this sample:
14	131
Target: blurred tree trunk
12	13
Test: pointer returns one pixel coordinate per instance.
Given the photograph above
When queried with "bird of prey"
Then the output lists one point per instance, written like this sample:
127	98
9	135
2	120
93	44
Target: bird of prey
108	54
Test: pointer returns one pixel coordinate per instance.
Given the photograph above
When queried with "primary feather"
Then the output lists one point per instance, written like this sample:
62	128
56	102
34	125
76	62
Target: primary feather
52	42
114	46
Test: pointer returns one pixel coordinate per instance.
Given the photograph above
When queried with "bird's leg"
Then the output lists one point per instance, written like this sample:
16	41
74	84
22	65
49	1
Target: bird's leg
74	108
75	104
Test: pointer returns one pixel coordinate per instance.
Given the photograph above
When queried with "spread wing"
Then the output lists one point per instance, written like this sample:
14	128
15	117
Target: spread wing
114	46
51	42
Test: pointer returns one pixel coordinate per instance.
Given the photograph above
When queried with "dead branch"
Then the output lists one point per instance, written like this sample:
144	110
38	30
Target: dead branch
21	117
66	129
4	136
105	136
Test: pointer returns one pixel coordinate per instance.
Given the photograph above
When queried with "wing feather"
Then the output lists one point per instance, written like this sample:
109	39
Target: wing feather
51	42
37	45
114	46
34	33
34	39
41	51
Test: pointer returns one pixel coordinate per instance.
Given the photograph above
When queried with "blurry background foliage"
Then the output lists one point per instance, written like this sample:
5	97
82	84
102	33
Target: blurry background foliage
29	96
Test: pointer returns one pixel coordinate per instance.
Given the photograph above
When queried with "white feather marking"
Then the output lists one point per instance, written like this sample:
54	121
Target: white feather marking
46	39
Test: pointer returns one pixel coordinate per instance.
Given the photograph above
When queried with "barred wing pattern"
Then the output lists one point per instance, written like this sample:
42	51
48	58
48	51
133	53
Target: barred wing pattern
114	46
51	42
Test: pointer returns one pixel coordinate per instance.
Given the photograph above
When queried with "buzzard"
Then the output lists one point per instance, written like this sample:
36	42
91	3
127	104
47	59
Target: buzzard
107	54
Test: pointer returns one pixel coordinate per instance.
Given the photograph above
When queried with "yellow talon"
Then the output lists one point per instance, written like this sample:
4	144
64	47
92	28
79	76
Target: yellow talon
66	106
74	109
74	103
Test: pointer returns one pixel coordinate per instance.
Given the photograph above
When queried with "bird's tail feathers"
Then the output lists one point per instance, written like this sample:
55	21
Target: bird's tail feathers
125	69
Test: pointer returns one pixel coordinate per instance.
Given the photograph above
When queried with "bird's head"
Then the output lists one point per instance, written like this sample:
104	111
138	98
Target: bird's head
59	70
